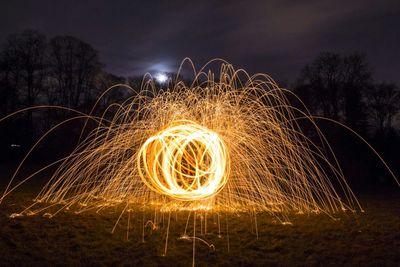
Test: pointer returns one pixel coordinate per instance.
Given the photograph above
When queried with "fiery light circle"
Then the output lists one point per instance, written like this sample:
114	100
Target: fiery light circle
185	161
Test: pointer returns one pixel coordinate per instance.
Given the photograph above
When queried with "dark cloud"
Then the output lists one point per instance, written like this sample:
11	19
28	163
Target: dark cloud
277	37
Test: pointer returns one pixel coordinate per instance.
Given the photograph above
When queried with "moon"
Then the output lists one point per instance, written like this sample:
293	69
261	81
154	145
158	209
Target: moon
161	77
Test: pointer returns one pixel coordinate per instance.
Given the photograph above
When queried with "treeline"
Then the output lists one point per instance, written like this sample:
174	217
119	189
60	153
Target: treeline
65	71
342	88
61	71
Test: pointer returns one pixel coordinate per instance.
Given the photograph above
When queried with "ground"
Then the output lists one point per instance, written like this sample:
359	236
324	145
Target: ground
357	239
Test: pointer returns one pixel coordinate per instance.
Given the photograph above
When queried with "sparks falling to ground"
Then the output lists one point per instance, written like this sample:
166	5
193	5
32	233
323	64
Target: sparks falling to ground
231	144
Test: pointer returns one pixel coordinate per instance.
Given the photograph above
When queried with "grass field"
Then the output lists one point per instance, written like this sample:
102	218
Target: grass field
361	239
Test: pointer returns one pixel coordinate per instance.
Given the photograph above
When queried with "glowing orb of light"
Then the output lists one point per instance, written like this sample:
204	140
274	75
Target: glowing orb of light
161	78
185	161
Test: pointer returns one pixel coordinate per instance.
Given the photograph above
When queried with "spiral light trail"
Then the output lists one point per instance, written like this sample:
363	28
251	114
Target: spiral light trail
184	161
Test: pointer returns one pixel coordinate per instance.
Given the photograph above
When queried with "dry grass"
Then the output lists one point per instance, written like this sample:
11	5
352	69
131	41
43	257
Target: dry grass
369	239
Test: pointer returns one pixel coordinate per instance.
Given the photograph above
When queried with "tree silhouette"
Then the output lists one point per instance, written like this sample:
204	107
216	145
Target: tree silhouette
23	62
383	102
321	81
74	65
33	71
335	86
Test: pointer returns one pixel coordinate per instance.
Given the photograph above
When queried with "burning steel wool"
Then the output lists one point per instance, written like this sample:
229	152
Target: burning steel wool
226	144
184	161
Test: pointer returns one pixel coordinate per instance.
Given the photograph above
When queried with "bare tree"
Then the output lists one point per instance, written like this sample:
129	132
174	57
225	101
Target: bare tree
335	86
8	94
24	65
25	53
322	80
23	69
357	78
383	104
74	66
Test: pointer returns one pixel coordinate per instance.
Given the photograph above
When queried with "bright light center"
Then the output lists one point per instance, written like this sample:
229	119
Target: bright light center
161	78
184	161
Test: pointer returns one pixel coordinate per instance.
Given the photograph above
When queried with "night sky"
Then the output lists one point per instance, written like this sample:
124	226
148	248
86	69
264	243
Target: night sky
275	37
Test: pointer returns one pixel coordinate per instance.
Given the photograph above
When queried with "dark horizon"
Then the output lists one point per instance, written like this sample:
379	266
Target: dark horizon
274	37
